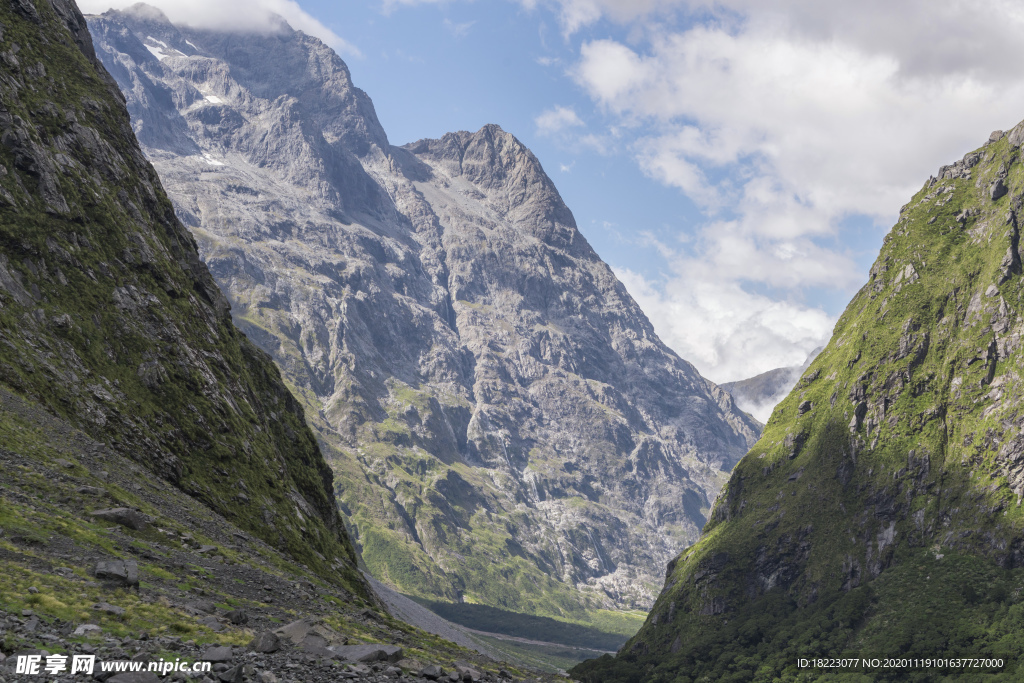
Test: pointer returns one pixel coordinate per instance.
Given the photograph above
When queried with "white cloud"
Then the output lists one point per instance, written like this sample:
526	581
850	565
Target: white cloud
234	15
556	120
780	119
725	331
459	30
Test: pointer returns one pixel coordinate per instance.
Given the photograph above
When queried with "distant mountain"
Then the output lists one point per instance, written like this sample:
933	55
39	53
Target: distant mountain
504	424
879	515
759	394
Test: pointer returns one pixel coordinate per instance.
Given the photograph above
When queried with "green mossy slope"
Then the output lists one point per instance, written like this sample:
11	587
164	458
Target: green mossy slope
109	319
879	515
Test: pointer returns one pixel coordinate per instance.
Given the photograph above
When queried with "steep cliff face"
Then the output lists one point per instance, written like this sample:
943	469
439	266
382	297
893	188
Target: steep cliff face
110	321
504	424
879	514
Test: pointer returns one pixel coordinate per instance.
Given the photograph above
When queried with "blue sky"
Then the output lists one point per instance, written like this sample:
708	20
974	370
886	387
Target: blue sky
737	162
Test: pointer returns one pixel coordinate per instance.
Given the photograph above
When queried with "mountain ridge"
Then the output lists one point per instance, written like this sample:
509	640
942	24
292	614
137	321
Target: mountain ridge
464	356
879	514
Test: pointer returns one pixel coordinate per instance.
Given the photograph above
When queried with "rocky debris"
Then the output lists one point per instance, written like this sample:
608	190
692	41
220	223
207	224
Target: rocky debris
231	665
123	572
123	516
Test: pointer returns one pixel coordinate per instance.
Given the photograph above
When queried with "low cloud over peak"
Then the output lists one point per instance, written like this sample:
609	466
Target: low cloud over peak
256	16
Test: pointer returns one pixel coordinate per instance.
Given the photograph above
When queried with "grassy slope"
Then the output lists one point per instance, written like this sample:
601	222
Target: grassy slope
108	319
881	518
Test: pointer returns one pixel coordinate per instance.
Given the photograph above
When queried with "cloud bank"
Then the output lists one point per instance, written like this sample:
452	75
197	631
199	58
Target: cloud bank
781	120
234	15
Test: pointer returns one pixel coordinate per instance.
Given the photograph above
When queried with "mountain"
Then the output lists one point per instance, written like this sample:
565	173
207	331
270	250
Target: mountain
504	425
879	514
759	394
110	320
161	492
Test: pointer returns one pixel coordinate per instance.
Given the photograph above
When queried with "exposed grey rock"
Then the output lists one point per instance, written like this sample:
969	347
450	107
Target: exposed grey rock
212	623
237	617
467	672
108	608
368	653
205	606
265	642
998	189
86	629
440	306
233	675
123	516
431	672
118	571
217	654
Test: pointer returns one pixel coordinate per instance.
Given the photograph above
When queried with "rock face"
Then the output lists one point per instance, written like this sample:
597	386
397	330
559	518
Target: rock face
504	424
880	511
109	319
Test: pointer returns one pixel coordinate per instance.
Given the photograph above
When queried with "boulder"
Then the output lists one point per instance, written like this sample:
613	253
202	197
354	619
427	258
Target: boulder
265	642
237	617
467	672
124	516
217	654
998	189
86	630
372	652
233	675
212	623
108	608
123	572
297	631
431	672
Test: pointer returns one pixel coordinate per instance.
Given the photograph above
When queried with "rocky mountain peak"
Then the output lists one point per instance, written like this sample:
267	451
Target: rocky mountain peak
512	178
504	423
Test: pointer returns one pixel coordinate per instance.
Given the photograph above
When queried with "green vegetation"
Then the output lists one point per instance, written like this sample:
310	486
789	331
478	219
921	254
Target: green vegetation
108	318
879	513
